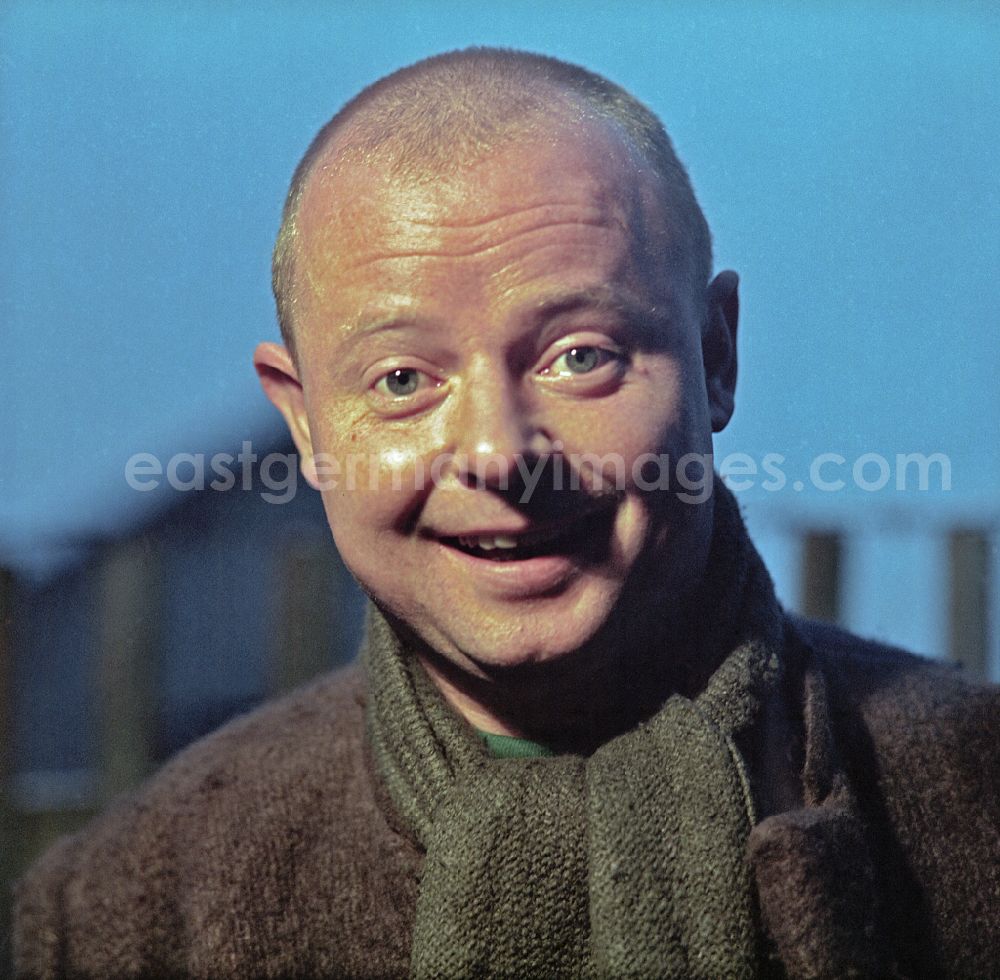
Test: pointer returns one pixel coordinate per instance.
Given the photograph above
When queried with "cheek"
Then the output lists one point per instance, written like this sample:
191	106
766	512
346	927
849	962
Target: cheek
673	417
380	471
645	416
377	485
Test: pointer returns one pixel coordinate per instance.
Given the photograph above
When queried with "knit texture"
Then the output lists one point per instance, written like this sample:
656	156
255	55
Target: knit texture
628	863
271	847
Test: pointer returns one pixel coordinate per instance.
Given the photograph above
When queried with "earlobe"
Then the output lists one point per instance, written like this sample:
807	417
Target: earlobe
279	378
722	311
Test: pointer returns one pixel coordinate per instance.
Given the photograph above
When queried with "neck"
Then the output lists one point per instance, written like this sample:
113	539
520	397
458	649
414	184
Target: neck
569	710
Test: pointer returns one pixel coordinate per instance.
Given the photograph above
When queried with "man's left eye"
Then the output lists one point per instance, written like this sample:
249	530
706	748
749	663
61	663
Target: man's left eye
580	360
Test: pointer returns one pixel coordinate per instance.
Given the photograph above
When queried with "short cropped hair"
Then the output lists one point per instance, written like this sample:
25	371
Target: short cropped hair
443	112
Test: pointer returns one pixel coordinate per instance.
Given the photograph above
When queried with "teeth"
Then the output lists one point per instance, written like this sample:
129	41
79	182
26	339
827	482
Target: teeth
488	542
526	539
506	542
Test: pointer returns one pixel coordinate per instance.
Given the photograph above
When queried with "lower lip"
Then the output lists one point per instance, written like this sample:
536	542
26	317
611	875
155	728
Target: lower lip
518	578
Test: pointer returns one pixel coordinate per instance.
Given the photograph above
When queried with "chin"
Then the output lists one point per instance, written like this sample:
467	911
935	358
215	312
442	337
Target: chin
503	651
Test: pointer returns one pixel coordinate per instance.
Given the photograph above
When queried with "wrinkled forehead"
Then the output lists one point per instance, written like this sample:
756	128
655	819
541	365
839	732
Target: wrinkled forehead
385	193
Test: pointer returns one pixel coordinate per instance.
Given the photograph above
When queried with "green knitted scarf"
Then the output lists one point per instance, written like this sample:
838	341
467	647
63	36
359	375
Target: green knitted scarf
627	863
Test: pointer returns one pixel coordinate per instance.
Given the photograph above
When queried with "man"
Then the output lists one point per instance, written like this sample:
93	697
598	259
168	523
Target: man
583	739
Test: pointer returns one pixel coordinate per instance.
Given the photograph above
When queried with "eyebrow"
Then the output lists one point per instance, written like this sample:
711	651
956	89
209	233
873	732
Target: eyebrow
601	298
648	324
359	327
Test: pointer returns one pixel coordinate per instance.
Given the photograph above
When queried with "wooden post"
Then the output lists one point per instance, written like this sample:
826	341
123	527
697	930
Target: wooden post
821	572
128	611
968	556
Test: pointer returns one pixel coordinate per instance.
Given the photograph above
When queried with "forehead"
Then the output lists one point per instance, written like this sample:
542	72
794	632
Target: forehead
355	215
589	157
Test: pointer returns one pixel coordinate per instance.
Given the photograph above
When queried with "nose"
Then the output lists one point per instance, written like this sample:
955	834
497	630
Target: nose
494	427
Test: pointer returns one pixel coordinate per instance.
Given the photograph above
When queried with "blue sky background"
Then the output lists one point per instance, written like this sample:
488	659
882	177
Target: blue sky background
845	155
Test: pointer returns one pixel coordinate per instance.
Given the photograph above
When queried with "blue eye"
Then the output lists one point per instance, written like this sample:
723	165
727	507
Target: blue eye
580	360
403	391
401	382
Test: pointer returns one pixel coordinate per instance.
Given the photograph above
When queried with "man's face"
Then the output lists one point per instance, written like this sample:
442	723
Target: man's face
460	336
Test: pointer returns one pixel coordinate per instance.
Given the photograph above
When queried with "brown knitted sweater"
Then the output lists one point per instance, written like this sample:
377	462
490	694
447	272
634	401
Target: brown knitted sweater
270	848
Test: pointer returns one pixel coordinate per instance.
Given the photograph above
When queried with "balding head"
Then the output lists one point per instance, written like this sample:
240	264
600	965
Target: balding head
439	115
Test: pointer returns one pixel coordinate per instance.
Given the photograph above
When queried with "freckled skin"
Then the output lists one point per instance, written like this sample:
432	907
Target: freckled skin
449	278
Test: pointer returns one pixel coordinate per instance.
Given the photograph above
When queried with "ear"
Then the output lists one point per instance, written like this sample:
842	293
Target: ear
280	380
718	346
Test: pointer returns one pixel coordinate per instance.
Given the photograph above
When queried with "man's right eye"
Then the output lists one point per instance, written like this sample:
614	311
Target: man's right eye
403	383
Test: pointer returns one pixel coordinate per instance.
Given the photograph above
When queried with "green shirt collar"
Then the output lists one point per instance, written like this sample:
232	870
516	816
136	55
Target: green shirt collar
510	747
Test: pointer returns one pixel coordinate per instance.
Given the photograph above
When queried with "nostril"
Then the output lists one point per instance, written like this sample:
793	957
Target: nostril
494	470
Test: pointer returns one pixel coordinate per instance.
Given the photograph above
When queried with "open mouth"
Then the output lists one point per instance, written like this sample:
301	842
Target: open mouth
572	538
